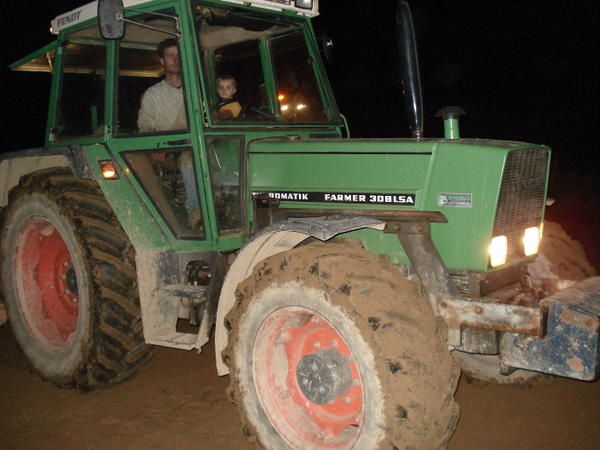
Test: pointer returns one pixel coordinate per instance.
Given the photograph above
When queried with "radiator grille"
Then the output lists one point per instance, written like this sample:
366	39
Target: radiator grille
521	201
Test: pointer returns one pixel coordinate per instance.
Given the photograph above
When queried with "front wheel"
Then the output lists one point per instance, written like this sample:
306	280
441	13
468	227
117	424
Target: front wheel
331	348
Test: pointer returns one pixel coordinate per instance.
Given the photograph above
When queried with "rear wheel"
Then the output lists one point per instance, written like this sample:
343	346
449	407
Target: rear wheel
68	278
331	348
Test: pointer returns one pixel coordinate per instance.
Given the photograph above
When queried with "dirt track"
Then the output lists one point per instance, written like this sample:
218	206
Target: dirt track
178	402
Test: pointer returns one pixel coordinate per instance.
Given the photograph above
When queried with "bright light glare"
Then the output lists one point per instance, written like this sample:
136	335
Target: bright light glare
300	106
284	108
281	97
498	251
531	241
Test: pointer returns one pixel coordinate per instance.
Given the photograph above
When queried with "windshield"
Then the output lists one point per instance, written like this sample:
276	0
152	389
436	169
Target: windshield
259	69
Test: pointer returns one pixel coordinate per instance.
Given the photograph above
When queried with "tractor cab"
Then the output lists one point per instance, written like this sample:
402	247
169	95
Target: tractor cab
188	167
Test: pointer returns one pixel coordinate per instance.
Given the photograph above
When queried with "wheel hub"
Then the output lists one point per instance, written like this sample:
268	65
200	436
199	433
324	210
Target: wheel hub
323	376
71	280
307	380
48	294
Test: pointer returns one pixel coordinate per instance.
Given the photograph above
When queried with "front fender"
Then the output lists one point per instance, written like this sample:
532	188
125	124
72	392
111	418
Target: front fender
275	239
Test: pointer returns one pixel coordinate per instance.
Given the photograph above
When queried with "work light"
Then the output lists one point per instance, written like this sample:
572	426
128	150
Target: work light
109	170
498	250
531	240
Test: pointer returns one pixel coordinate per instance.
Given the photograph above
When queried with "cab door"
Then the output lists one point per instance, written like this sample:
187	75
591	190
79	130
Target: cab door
152	132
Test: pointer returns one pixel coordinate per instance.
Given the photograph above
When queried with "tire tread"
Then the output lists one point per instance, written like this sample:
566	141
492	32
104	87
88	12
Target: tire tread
118	348
402	313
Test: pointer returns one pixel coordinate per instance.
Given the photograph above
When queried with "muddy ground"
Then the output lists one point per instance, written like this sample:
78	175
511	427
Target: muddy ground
178	402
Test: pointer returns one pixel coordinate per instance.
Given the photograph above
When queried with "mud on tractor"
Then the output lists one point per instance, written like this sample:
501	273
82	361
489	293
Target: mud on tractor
347	280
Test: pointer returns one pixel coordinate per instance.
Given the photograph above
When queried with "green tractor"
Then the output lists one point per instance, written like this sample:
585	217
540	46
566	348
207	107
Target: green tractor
197	176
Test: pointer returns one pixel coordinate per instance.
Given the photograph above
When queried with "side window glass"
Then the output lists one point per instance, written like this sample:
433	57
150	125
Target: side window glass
224	161
258	69
240	85
169	179
297	90
231	42
80	110
151	97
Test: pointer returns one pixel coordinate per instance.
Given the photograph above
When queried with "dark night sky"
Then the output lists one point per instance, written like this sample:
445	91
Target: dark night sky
523	70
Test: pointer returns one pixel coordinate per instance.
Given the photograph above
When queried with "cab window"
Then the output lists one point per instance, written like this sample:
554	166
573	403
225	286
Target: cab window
298	94
150	88
167	176
80	111
258	69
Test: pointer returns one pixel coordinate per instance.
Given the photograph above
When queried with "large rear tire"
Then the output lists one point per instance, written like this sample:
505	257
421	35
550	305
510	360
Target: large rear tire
331	347
69	283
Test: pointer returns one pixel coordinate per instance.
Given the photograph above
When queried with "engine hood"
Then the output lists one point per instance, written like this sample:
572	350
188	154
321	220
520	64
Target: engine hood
460	178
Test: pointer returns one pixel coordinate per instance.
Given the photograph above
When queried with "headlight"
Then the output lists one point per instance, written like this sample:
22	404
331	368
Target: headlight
531	241
498	250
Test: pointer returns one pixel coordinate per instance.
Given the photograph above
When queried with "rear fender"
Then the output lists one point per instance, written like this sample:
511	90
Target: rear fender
15	165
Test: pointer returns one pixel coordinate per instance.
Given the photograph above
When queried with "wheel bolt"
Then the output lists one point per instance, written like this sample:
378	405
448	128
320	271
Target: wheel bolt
334	343
314	319
347	400
74	300
317	345
66	264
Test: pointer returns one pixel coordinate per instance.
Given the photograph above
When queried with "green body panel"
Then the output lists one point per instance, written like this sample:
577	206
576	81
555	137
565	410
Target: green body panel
142	229
426	168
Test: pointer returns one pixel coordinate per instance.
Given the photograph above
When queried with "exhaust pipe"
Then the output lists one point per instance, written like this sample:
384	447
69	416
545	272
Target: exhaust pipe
409	69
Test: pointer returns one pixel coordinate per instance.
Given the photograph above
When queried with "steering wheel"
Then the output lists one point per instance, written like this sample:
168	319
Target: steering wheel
257	111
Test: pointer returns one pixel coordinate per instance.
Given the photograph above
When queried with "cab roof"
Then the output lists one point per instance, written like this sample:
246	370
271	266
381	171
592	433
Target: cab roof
90	10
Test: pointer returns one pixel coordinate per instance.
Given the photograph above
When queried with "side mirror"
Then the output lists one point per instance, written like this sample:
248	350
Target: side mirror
110	19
